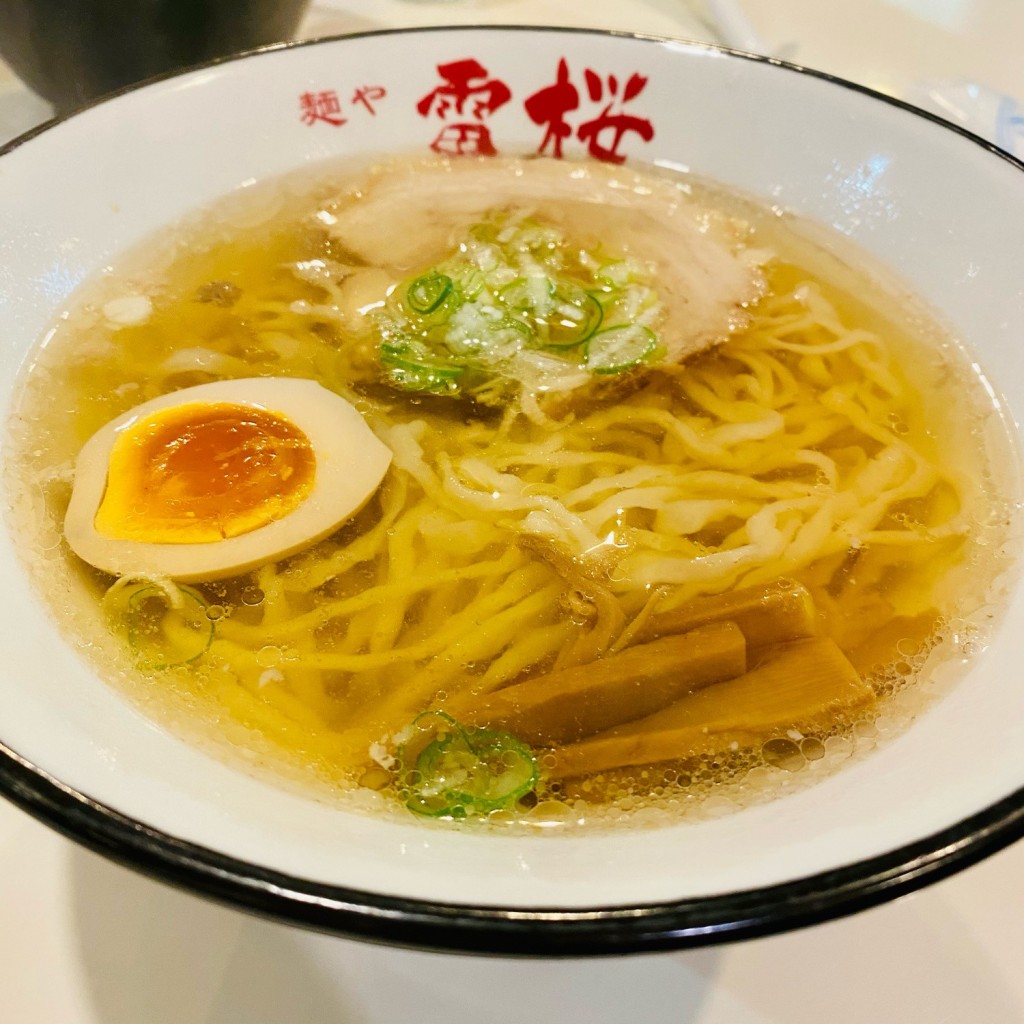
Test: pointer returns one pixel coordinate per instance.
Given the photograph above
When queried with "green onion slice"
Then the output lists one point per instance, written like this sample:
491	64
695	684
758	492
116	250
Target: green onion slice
576	316
160	634
428	292
406	369
464	772
617	349
534	294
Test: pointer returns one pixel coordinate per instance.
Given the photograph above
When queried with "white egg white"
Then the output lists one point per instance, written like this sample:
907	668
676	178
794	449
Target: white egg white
350	465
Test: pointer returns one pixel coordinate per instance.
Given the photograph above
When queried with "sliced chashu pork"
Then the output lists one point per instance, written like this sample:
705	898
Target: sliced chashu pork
408	215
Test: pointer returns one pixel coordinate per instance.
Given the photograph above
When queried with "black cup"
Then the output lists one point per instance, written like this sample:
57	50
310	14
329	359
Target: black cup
72	51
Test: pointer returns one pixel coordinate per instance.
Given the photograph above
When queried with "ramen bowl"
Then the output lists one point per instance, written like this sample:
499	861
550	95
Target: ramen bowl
940	209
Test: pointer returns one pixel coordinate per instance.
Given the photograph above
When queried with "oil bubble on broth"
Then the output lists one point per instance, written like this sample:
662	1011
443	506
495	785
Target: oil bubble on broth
676	507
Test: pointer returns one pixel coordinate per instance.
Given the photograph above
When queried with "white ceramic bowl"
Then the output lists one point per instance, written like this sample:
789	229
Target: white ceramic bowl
941	208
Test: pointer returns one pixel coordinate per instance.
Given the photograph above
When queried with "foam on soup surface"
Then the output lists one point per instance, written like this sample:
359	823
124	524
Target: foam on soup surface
670	508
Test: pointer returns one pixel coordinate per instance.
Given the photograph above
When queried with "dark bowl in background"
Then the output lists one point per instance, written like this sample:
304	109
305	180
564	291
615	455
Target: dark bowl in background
72	51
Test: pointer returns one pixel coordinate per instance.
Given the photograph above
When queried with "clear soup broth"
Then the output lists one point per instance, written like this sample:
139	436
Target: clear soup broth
677	550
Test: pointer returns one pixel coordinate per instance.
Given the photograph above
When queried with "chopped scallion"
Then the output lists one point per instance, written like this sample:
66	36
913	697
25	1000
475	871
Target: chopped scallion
463	772
620	348
426	293
160	634
411	374
577	314
514	290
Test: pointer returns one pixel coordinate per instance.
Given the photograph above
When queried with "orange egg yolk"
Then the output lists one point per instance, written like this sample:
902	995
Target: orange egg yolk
201	472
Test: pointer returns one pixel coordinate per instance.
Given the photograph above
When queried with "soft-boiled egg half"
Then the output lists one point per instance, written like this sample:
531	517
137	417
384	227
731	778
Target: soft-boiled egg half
214	480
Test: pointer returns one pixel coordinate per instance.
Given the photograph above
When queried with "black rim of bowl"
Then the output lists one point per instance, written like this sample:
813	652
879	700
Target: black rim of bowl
522	931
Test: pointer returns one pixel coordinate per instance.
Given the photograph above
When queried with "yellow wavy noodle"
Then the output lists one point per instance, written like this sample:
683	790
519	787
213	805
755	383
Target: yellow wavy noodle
497	550
500	547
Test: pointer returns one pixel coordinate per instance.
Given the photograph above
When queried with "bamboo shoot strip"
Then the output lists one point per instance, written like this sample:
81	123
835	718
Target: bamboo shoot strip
572	703
774	613
805	684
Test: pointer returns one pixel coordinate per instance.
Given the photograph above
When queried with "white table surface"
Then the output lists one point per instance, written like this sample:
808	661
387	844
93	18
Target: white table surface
83	941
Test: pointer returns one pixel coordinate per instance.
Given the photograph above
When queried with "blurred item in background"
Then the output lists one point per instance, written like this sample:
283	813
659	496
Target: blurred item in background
72	51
